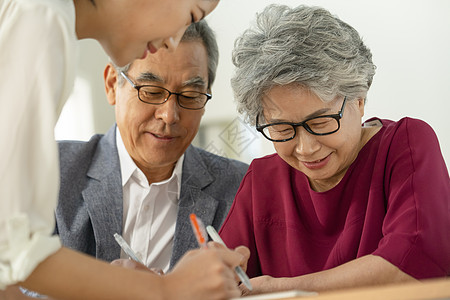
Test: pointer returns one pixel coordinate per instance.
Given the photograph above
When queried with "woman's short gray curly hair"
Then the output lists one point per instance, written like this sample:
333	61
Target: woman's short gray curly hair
304	45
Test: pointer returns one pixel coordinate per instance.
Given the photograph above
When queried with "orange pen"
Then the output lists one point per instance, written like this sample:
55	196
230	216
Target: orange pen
199	230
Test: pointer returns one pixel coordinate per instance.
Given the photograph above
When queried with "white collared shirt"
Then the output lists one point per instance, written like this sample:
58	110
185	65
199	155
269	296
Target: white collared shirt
149	211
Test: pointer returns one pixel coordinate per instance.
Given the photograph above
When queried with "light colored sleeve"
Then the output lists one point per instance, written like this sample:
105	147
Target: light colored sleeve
36	76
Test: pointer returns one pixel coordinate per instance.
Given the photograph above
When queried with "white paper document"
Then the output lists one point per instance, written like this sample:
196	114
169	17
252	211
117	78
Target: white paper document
278	295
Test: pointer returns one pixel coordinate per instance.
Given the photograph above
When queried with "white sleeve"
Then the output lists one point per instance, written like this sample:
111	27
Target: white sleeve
36	47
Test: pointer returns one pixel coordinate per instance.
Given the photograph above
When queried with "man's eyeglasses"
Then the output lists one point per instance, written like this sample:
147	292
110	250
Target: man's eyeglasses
152	94
285	131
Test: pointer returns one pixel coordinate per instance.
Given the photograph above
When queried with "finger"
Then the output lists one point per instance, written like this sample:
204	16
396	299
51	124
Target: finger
244	290
229	257
157	271
244	251
231	277
117	262
215	245
129	264
246	255
232	287
234	292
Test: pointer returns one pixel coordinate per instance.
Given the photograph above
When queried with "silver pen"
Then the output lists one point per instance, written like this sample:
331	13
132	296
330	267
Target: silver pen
242	275
126	248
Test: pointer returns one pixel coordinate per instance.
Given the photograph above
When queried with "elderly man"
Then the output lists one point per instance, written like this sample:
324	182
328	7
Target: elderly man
143	178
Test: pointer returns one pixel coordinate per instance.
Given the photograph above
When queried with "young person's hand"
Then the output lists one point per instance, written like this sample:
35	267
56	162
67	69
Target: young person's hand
131	264
204	274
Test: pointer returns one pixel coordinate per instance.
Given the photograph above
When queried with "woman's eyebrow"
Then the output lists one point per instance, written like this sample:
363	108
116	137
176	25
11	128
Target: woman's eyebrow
312	115
317	113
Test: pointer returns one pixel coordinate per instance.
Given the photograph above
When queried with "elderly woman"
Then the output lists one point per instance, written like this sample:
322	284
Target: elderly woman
340	204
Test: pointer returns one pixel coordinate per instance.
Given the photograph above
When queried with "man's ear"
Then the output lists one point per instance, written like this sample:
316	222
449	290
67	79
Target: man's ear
110	77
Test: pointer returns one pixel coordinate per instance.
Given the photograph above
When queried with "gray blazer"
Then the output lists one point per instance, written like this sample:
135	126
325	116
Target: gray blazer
90	206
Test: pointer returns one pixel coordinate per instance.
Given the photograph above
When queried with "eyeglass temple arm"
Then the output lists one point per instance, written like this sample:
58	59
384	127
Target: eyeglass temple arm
343	106
128	79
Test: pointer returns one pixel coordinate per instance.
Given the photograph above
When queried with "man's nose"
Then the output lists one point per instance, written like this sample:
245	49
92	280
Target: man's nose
169	111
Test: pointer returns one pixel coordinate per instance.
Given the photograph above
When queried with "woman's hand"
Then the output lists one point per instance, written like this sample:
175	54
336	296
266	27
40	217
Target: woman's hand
260	285
367	270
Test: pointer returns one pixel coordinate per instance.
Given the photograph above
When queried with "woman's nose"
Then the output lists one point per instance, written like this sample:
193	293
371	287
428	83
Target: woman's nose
306	142
172	42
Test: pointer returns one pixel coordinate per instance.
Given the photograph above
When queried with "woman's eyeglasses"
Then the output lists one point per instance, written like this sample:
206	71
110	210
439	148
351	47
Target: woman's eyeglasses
285	131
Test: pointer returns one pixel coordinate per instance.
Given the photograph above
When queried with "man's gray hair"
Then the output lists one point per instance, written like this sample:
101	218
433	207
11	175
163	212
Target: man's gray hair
199	31
304	45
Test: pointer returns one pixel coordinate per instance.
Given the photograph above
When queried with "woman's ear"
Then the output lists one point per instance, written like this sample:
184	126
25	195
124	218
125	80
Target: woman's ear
361	103
110	77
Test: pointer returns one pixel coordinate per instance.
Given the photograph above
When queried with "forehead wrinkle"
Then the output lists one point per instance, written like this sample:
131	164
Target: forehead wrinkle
149	76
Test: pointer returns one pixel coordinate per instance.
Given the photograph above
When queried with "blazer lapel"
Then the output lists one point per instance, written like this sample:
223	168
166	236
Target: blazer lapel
195	177
103	196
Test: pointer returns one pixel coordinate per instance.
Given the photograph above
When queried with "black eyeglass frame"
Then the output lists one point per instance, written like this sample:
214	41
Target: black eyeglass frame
337	117
138	87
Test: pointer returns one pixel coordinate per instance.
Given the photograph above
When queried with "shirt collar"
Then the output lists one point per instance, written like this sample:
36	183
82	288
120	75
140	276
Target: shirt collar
127	165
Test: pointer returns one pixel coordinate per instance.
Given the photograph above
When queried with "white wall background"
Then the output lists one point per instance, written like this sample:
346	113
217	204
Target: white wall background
410	43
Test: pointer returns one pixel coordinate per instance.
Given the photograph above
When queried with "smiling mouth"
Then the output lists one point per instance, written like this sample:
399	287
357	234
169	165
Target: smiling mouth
316	161
162	137
317	164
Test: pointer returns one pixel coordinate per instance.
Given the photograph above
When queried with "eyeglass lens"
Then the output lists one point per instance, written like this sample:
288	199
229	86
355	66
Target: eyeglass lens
319	125
158	95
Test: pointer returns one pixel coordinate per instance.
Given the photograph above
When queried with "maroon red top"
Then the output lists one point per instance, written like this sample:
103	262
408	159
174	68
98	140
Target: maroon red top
394	202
